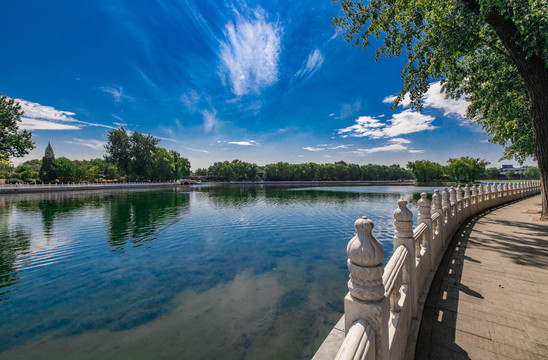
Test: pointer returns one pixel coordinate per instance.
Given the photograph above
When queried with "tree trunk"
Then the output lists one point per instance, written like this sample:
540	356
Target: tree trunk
534	71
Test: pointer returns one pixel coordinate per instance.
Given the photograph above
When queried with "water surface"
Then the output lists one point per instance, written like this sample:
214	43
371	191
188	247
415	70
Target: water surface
233	272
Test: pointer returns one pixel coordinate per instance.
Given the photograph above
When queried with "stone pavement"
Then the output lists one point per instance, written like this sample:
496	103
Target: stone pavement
489	298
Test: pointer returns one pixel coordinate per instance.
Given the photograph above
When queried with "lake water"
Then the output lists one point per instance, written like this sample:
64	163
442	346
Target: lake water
216	272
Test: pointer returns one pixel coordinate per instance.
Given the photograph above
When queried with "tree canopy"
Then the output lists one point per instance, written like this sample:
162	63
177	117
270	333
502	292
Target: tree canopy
13	143
493	53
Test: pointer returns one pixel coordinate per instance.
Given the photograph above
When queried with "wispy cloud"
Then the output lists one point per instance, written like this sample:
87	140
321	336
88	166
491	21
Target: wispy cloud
435	98
120	121
34	124
399	141
210	120
413	151
199	150
244	143
91	143
406	122
117	93
310	148
391	147
41	117
190	99
313	63
250	54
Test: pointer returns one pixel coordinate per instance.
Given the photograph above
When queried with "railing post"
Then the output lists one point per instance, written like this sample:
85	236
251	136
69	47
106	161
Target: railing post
467	201
403	222
365	299
425	217
460	205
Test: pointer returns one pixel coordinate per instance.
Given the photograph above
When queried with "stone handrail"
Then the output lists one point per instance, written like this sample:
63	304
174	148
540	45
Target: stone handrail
383	302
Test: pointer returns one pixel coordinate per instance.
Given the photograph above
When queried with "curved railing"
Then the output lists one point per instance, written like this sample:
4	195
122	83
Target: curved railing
383	301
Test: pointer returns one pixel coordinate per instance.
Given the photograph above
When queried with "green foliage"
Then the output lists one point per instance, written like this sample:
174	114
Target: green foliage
510	174
493	53
339	171
68	170
424	170
201	172
532	173
13	143
492	173
47	168
465	168
168	165
119	149
29	174
4	174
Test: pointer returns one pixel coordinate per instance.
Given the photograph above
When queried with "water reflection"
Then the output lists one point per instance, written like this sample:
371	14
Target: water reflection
14	243
138	217
253	271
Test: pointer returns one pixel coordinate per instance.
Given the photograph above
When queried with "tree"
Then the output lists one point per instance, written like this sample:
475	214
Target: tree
67	170
119	150
510	174
493	53
142	149
492	173
13	143
47	169
531	173
424	170
466	168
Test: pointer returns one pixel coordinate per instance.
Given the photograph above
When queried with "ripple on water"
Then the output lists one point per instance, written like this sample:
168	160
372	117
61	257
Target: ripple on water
251	272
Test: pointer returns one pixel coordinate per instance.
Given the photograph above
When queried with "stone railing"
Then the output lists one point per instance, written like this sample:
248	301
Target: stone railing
21	188
383	301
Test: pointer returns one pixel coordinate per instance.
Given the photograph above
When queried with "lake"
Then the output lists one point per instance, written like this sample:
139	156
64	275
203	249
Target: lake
214	272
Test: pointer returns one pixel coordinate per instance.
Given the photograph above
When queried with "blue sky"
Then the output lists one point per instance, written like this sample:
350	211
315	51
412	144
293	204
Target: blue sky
259	81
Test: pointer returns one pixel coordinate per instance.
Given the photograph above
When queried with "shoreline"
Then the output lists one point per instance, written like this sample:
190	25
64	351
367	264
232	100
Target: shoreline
41	188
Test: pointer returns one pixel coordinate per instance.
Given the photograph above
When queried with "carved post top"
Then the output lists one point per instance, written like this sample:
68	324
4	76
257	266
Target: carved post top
474	190
459	193
424	207
436	200
467	191
452	195
445	199
364	249
488	190
481	189
403	221
364	263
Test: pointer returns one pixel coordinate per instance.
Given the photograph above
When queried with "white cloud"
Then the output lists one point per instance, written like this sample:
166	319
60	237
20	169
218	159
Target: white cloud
244	143
340	147
406	122
190	99
391	147
199	150
416	151
121	120
91	143
41	117
250	54
210	120
310	148
399	141
34	124
117	93
313	63
434	98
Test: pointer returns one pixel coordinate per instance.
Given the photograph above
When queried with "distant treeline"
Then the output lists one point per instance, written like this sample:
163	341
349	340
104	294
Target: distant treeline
340	171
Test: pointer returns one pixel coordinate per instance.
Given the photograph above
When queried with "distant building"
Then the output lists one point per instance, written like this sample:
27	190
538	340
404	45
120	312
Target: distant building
518	172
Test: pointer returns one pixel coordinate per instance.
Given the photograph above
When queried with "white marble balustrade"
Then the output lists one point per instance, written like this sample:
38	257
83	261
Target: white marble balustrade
382	300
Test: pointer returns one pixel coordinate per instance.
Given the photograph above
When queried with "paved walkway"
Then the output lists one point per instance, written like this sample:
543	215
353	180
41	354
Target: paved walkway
489	298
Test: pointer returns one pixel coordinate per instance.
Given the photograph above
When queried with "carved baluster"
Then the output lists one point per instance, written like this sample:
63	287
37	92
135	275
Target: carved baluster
364	262
425	217
467	196
365	299
436	200
403	222
475	194
445	203
452	195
